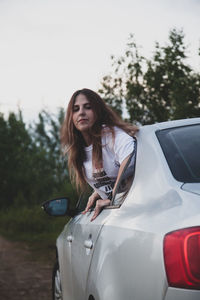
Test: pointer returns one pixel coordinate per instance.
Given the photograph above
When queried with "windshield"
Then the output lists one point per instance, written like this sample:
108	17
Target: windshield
181	147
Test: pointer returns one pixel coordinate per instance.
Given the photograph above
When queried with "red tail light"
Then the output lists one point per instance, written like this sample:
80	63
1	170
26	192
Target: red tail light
182	258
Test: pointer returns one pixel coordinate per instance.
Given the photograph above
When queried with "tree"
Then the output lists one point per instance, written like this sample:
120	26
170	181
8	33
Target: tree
15	147
32	166
154	90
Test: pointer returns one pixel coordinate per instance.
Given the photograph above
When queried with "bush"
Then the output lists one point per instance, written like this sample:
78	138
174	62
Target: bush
30	224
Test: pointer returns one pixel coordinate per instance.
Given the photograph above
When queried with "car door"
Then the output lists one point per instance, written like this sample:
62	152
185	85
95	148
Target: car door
85	235
64	243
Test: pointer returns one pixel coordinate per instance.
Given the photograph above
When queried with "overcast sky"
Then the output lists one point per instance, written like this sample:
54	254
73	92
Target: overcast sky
50	48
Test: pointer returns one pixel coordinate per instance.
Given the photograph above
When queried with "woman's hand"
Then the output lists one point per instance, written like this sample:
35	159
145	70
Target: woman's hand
99	206
91	201
100	203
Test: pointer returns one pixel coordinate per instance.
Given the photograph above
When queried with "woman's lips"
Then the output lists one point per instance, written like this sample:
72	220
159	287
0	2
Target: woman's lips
82	120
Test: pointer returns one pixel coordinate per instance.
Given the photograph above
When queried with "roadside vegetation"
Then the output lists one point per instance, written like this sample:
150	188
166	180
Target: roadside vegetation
32	168
32	171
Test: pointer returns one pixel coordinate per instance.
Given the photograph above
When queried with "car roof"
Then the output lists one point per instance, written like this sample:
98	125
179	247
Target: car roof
171	124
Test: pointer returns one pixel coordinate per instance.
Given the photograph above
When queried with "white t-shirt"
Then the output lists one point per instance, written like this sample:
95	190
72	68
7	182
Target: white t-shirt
113	154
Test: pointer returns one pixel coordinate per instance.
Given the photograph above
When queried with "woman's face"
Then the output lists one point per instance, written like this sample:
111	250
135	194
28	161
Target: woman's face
83	115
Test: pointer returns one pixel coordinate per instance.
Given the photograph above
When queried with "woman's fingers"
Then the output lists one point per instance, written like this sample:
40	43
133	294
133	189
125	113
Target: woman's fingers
99	206
89	205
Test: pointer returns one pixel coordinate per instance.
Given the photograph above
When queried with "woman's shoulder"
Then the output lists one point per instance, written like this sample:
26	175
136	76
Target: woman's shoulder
109	130
115	135
114	131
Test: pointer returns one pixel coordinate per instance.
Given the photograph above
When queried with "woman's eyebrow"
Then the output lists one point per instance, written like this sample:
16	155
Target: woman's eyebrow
84	104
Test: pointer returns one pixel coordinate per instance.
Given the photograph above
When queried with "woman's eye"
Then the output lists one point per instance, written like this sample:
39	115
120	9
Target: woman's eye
75	108
88	106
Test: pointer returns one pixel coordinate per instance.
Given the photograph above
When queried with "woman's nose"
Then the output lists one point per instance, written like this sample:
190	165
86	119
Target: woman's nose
81	110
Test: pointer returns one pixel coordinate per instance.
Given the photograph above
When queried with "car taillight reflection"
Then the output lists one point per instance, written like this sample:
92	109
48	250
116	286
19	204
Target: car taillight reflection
182	258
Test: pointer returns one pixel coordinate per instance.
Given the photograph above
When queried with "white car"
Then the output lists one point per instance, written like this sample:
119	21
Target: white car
146	246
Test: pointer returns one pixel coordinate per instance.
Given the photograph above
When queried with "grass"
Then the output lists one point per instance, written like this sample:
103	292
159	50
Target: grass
31	225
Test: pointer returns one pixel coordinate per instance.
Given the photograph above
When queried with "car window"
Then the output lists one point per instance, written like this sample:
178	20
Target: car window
125	180
181	147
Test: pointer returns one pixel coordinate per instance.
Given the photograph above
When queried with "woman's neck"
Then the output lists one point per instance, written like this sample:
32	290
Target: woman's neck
87	138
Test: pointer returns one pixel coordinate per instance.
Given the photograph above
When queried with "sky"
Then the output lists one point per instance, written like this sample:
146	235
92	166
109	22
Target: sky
51	48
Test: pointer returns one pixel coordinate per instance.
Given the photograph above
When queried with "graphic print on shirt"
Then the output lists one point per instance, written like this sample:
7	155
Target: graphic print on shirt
103	182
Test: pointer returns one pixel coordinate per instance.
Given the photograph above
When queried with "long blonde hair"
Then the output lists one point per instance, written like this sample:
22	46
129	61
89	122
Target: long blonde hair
72	140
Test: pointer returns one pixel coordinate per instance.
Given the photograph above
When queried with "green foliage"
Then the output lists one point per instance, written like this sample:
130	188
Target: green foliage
15	147
32	170
32	167
30	224
160	89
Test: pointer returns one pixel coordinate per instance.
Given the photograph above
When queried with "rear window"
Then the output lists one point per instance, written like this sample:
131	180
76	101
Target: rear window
181	147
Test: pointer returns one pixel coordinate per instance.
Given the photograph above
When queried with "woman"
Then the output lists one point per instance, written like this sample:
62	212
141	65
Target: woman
98	144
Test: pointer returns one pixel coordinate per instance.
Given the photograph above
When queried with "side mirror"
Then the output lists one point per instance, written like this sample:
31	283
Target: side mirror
58	207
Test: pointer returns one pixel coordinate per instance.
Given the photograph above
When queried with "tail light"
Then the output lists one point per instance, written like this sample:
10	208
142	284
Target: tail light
182	258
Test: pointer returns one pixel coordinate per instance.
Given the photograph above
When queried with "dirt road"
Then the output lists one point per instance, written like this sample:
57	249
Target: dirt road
21	278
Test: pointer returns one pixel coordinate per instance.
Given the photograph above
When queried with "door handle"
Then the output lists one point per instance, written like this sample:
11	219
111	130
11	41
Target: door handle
69	238
88	244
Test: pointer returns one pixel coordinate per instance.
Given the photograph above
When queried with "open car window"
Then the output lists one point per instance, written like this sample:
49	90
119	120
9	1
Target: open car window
125	180
122	189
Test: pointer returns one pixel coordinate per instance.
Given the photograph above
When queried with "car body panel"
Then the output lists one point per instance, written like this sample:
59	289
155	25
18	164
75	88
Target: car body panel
131	252
85	236
120	268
